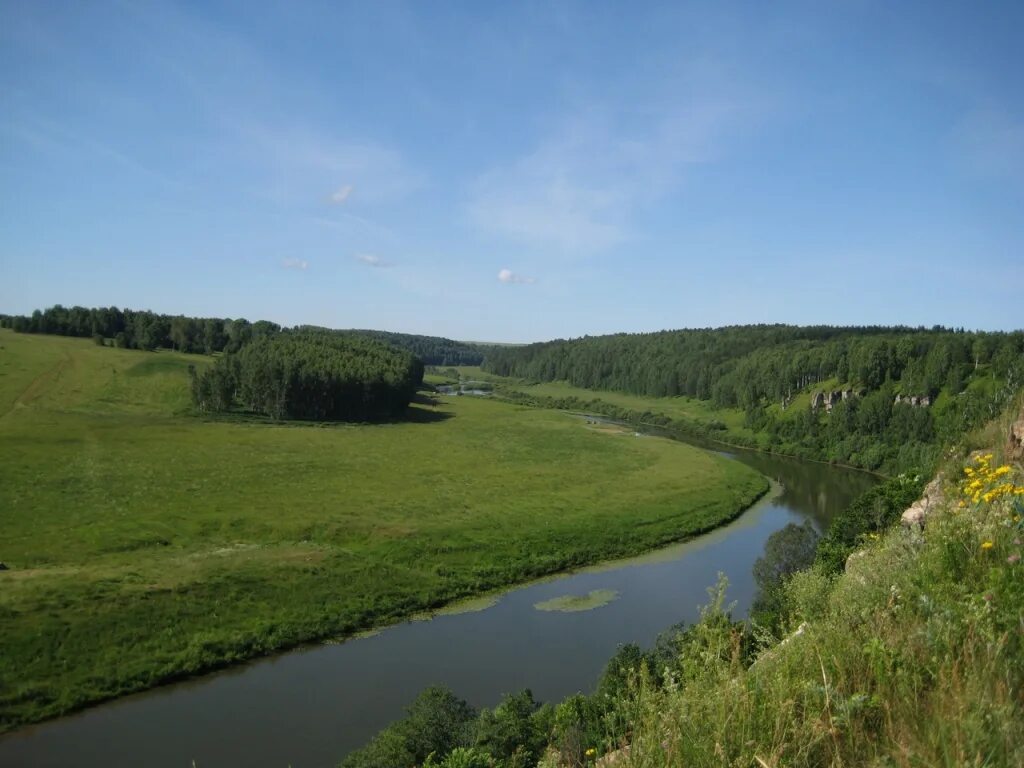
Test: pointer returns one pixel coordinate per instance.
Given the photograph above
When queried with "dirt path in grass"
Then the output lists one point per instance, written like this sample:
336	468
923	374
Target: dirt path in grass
40	384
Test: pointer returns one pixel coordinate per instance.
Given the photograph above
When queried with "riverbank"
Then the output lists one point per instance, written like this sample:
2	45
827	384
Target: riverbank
145	546
310	707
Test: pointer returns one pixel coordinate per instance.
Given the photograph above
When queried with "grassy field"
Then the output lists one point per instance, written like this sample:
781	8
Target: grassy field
144	543
683	408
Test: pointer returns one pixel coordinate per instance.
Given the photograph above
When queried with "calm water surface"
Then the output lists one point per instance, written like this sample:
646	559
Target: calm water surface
310	707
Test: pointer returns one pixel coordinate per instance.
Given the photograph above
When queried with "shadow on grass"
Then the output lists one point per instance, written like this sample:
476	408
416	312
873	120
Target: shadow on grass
428	412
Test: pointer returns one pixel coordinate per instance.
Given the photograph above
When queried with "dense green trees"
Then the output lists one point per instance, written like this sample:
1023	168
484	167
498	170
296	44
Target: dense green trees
743	366
311	376
133	329
432	350
206	335
437	722
444	731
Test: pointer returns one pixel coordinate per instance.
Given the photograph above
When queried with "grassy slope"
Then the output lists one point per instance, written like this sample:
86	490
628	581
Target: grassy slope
914	657
145	543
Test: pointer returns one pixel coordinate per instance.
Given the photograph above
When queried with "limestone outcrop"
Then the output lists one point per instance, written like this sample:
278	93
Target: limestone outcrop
917	402
830	399
917	513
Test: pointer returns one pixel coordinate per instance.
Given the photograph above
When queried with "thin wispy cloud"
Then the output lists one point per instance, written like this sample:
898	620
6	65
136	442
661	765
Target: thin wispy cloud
49	135
380	173
293	263
341	195
991	141
508	277
372	260
577	191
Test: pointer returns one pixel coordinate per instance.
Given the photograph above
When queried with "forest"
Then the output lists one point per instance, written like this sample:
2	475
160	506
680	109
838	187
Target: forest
135	329
311	376
432	350
751	366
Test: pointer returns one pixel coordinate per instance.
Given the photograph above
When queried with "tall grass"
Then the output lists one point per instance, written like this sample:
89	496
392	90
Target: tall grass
914	657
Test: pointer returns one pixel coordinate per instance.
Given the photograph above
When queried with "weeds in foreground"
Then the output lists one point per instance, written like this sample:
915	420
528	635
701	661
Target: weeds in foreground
915	658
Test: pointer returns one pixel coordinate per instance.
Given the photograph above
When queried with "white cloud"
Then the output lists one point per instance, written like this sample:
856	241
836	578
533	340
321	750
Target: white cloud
342	194
293	263
509	277
372	260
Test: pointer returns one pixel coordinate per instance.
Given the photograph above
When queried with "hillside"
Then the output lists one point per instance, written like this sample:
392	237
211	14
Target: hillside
878	398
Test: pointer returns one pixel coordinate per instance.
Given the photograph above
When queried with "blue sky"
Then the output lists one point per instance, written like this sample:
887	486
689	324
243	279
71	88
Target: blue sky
516	171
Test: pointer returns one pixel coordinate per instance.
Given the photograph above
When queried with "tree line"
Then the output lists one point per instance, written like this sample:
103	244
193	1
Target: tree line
142	329
311	376
740	366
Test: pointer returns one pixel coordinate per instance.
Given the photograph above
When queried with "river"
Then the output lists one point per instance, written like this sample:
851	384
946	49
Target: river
308	708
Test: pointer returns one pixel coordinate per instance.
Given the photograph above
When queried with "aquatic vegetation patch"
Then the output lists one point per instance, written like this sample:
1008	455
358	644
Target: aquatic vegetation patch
596	598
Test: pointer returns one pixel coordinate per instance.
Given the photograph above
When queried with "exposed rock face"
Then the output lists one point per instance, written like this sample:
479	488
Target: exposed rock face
1015	444
830	399
922	401
917	513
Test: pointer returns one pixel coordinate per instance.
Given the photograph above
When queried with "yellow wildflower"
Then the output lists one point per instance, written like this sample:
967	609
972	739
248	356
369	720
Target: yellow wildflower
987	545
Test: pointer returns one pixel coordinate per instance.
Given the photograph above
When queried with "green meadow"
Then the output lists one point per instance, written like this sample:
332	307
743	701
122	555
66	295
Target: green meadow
687	409
145	543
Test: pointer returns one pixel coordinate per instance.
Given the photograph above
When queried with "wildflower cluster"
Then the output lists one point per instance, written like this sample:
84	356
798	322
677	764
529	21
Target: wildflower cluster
985	484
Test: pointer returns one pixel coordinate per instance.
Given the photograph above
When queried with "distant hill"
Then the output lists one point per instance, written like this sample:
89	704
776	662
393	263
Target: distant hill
432	350
142	329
